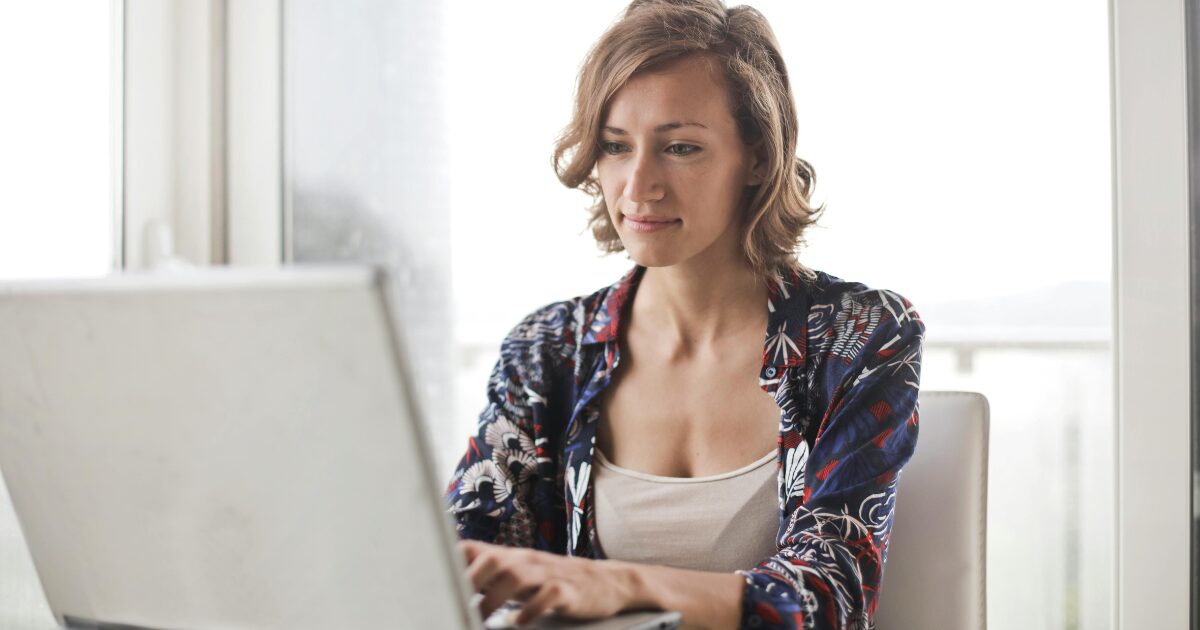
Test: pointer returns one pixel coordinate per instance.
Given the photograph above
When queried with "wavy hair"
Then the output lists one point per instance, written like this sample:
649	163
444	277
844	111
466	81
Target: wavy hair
653	33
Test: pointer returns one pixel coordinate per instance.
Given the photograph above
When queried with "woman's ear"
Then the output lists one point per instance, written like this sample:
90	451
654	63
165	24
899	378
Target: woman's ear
758	164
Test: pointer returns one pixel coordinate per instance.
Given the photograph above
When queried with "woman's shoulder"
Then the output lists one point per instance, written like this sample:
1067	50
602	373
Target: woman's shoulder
830	296
854	321
855	328
563	323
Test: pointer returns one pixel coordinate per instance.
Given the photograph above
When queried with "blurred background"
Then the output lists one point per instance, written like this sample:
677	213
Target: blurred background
962	149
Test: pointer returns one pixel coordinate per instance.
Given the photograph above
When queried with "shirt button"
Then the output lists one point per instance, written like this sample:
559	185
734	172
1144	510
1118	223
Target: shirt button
770	372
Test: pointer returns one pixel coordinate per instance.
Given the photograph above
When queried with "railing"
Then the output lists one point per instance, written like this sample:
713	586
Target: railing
965	343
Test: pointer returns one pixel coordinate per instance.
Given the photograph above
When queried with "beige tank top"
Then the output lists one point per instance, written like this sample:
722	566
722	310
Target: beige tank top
721	522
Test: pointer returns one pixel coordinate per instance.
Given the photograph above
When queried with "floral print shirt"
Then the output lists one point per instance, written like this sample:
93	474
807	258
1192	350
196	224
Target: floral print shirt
841	360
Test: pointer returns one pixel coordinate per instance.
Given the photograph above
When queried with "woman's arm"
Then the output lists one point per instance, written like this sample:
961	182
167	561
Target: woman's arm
829	570
587	589
493	481
503	490
706	600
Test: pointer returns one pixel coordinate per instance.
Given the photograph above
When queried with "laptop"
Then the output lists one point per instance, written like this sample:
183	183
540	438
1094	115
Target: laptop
227	449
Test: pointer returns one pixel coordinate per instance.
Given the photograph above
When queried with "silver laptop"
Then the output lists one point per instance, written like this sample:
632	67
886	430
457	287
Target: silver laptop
226	449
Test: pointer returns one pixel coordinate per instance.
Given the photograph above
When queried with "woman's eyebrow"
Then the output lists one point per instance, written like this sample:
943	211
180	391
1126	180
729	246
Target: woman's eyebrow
617	131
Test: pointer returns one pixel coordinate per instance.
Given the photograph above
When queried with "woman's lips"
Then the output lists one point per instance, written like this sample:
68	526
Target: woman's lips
645	225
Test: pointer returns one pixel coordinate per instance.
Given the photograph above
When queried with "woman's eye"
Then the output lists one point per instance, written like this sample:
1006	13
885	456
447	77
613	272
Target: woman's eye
678	150
682	149
612	148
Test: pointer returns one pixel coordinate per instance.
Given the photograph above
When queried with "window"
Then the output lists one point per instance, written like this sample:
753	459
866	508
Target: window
365	150
962	150
59	189
58	153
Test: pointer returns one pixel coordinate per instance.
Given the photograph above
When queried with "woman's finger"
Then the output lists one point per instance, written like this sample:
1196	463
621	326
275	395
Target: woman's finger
471	549
483	569
548	597
504	587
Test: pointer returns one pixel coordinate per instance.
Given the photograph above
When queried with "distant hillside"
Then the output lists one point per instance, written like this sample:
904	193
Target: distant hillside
1068	305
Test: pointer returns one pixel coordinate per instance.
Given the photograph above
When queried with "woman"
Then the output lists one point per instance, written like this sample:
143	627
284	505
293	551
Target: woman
733	462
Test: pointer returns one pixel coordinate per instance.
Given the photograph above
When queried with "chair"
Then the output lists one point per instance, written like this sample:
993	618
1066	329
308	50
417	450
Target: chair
935	574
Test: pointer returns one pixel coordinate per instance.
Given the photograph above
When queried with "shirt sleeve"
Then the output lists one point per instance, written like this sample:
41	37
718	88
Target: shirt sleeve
503	489
829	568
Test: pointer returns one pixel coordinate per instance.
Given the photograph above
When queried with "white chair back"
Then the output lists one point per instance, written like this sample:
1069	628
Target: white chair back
935	576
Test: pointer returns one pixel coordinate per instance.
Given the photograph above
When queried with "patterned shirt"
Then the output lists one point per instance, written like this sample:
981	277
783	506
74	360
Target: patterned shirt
842	362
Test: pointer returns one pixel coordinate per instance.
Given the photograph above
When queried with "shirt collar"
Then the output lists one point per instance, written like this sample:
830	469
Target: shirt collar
787	321
606	318
787	317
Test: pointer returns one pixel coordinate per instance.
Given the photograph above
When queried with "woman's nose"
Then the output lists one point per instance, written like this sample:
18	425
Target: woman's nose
644	181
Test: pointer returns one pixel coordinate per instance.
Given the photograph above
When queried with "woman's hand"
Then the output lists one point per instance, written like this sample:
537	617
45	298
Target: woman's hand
572	587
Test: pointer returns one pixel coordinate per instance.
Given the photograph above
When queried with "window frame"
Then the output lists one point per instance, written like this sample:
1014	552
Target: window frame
201	131
1152	304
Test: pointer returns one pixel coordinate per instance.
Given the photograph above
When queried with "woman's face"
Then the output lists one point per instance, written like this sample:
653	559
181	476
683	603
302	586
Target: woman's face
673	168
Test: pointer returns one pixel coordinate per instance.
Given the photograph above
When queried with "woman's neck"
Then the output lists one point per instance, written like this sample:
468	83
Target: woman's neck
700	305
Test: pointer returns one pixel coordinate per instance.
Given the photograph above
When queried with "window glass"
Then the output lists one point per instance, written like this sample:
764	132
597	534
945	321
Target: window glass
56	217
365	153
57	176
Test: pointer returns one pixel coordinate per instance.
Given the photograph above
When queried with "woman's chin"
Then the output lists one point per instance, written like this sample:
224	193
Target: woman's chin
647	257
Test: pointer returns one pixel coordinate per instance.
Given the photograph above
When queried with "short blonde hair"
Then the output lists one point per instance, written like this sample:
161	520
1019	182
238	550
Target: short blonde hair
653	33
